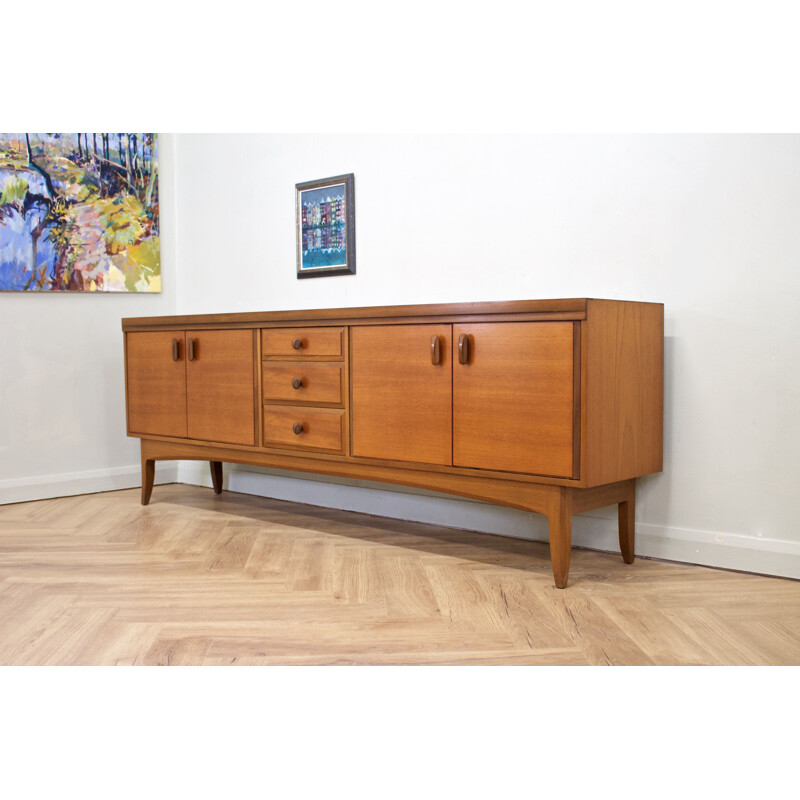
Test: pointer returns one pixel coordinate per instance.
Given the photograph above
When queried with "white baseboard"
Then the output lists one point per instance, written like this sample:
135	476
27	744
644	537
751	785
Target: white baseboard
596	531
593	530
43	487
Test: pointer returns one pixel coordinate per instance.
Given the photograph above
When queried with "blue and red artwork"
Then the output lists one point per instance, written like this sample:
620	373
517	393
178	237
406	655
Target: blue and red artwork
79	212
324	228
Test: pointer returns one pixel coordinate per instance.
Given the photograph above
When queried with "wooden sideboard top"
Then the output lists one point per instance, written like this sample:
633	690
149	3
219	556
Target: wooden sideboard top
572	308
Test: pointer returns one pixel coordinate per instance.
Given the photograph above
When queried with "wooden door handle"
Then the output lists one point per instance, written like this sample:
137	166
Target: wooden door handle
463	349
298	428
176	350
297	343
297	383
436	350
190	354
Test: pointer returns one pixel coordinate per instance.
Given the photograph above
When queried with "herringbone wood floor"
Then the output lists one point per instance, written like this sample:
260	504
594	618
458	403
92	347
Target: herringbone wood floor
196	578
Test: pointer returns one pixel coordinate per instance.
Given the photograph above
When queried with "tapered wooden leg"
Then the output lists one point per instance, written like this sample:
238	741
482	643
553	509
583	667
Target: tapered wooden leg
560	529
148	476
627	533
216	476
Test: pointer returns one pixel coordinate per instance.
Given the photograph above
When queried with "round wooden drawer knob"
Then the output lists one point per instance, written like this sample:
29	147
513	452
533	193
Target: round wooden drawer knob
297	344
297	383
298	428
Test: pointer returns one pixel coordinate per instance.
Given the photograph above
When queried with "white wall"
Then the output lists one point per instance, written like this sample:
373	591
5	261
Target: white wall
706	224
62	385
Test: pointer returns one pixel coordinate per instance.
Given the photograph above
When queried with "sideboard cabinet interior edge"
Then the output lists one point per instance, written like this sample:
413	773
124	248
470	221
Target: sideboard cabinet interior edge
551	406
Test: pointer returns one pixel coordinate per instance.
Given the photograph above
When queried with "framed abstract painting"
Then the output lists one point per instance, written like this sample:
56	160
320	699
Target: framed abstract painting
326	227
79	212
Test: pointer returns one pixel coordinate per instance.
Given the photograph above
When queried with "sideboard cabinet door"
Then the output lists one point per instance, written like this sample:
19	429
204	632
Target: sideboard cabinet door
513	397
220	386
156	382
401	401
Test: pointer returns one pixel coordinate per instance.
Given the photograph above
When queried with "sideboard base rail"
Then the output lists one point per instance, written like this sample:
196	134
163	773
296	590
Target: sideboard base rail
557	503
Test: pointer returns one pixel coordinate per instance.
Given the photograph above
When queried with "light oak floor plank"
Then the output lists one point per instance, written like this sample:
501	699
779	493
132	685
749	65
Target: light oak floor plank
196	578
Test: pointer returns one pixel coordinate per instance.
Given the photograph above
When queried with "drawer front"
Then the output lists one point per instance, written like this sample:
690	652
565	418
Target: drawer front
322	428
303	382
302	342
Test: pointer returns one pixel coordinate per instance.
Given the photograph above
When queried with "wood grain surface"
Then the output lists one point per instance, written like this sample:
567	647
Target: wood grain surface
322	428
570	308
220	387
156	383
319	383
401	402
513	404
624	362
313	342
203	579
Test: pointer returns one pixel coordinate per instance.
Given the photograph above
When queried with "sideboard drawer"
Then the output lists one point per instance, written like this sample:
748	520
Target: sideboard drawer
303	382
302	342
313	428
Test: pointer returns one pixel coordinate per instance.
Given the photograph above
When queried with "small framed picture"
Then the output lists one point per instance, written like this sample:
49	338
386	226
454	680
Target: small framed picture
326	227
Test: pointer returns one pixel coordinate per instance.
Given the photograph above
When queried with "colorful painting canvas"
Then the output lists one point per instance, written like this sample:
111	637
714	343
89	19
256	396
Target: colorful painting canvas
325	227
79	212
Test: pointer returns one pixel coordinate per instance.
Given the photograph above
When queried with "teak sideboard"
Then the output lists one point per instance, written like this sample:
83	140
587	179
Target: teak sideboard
551	406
